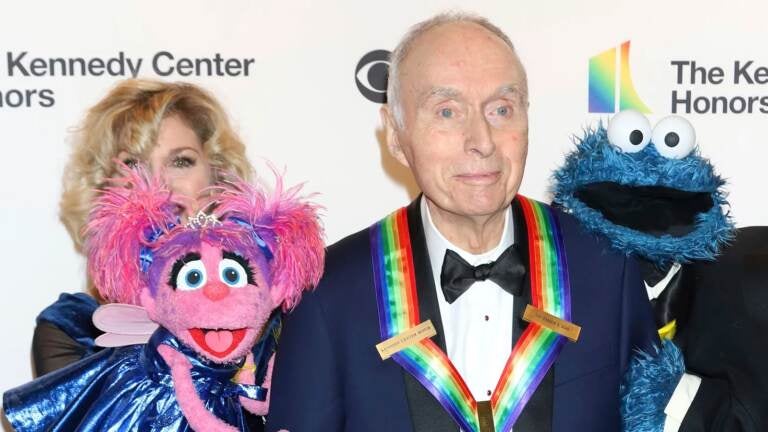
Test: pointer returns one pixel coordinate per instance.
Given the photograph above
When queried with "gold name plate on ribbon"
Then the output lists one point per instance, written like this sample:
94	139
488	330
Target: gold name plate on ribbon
557	325
485	416
405	339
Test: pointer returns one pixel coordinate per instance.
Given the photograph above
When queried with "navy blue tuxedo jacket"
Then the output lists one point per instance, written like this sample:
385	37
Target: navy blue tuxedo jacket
328	375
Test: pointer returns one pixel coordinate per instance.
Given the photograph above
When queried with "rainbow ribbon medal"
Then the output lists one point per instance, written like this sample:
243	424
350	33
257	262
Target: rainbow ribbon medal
533	354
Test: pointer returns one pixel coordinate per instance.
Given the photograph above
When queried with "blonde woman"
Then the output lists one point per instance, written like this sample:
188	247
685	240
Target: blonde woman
182	133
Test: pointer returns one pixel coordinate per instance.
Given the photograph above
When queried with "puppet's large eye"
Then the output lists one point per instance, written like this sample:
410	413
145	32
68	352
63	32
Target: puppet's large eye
232	273
674	137
191	276
630	131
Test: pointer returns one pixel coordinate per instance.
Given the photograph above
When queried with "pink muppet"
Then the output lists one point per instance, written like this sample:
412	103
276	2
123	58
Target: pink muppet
214	282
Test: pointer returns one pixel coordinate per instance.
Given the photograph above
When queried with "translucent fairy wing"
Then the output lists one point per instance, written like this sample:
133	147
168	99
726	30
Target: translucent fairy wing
109	340
123	319
123	324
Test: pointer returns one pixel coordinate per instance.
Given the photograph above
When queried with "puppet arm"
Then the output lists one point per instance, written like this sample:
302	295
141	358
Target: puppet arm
659	396
648	386
199	418
248	377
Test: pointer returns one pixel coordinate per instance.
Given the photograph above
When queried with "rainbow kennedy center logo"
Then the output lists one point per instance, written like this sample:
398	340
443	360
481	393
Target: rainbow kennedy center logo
610	82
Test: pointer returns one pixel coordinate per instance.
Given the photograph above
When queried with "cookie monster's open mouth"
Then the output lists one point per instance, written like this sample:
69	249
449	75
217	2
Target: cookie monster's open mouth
654	210
217	342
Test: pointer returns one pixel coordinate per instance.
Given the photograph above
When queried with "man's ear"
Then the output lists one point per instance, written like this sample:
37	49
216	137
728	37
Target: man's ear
390	134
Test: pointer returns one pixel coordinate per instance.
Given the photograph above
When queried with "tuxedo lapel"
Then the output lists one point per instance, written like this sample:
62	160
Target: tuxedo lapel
427	414
425	280
674	301
537	414
521	244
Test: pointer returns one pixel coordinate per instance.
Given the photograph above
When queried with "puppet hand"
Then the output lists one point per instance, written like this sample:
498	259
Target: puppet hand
258	407
648	386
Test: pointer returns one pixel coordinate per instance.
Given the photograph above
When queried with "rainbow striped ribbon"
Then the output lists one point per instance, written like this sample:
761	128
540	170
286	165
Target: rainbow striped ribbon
533	354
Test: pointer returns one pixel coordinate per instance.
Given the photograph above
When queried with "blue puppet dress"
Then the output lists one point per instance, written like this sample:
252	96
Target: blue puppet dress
131	389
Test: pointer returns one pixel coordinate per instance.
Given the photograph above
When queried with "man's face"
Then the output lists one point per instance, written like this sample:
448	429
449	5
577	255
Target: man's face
465	134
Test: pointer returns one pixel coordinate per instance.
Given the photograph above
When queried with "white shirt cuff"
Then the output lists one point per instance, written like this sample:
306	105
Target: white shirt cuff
681	400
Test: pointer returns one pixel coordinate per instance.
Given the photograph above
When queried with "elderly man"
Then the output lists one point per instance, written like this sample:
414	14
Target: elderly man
469	258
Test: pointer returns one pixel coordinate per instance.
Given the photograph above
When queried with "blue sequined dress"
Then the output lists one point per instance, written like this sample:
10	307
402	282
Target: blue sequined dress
130	389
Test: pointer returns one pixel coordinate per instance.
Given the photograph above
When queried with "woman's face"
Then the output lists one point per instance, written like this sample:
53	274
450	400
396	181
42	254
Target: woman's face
179	159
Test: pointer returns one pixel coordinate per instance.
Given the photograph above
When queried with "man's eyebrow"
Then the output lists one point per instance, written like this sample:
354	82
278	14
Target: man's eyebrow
510	90
442	92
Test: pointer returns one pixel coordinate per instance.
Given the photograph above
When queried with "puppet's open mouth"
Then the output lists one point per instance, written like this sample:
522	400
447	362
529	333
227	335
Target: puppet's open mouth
217	342
654	210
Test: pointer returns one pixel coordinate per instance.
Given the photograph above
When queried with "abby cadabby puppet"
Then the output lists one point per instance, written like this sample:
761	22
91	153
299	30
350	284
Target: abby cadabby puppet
210	293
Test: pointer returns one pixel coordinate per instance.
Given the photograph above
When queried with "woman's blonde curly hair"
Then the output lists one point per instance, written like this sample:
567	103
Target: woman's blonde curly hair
128	119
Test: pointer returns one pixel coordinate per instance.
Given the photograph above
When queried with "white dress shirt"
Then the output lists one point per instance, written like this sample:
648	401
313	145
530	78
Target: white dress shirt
478	326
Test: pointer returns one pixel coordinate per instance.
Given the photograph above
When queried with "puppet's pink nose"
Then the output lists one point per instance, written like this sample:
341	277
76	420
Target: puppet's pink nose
216	291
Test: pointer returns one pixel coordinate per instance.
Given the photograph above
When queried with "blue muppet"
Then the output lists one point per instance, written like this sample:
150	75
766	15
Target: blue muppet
652	196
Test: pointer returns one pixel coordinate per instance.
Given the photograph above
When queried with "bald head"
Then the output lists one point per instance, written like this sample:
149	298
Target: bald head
432	33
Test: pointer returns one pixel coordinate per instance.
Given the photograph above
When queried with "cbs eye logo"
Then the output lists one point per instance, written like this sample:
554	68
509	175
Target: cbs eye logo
371	75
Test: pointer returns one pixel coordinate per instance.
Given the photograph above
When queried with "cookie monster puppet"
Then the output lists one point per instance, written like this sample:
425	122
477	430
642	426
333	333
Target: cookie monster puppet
651	194
196	313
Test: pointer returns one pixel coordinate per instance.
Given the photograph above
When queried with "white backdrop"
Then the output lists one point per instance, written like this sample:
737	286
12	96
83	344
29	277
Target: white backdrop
300	106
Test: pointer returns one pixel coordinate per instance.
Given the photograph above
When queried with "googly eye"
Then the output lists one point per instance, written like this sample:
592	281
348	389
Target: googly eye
191	276
674	137
232	273
630	131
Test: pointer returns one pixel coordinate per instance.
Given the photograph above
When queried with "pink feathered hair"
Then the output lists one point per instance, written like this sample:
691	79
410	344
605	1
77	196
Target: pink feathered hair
126	214
121	222
290	227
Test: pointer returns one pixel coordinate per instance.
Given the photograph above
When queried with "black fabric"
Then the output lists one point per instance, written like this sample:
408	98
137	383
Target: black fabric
724	341
65	332
52	349
652	272
674	302
458	275
714	410
654	210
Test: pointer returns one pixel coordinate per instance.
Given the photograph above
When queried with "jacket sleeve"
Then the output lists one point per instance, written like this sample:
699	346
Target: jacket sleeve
306	393
716	409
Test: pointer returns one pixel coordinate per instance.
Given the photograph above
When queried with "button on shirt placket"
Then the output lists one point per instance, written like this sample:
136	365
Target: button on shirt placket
477	348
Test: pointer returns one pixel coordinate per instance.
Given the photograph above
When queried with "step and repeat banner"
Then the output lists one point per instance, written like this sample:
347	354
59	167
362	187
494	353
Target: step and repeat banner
303	82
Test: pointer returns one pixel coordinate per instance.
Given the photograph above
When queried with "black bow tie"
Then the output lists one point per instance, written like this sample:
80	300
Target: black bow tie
458	275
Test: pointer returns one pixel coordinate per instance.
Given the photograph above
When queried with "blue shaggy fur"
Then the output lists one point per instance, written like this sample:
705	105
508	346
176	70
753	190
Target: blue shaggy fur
596	160
648	385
